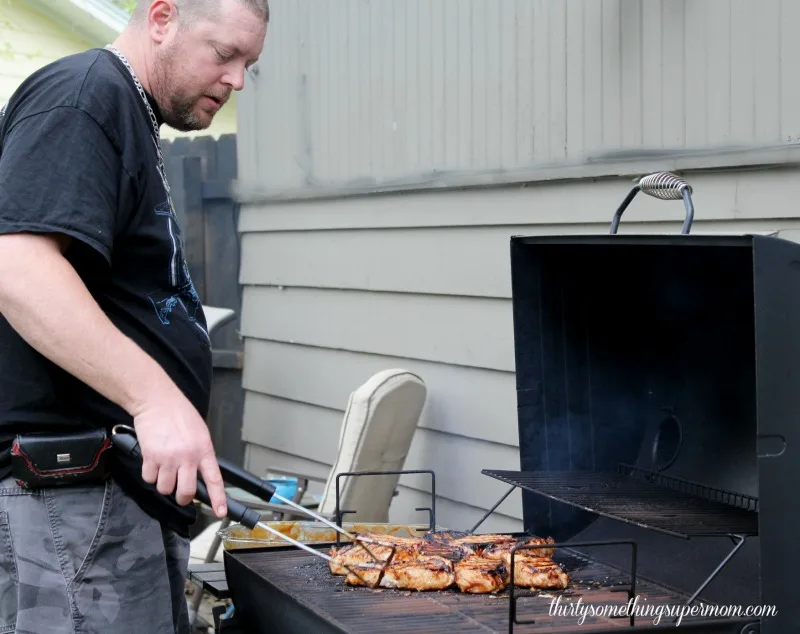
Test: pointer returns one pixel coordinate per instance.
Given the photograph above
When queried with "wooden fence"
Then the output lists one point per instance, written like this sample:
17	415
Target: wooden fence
201	171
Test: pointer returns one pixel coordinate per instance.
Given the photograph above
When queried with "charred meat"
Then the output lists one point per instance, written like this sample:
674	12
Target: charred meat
539	573
444	544
500	550
478	575
476	564
483	541
449	551
443	536
421	574
358	554
425	573
400	542
365	575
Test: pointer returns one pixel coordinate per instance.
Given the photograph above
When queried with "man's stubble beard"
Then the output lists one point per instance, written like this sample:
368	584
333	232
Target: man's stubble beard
177	110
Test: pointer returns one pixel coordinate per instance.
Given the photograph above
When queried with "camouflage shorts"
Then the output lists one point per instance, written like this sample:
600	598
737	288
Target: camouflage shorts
87	560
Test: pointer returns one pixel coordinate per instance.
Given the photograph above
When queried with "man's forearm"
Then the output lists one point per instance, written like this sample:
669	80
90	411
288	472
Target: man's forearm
46	302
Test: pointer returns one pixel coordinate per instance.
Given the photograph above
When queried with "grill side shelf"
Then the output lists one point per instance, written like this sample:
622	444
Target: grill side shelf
649	500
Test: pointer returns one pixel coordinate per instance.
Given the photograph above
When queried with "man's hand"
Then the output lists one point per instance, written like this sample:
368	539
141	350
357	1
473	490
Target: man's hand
175	445
46	302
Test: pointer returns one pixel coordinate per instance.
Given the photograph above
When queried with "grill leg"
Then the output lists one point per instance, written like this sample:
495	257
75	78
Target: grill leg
739	541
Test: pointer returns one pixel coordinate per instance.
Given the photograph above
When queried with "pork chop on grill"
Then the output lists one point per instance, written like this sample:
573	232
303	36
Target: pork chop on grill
501	549
478	542
389	540
424	573
421	574
476	564
443	536
478	575
540	573
355	555
364	574
447	550
444	544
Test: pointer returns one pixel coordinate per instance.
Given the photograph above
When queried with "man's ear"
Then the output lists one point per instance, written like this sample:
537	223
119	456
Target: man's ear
161	18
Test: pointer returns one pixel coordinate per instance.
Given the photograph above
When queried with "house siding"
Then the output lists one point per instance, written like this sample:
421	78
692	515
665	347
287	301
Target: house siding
354	95
352	91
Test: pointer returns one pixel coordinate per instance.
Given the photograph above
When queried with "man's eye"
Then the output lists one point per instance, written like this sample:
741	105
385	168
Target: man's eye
223	56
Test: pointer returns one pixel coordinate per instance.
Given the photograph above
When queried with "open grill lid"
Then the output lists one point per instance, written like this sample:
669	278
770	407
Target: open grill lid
641	350
657	384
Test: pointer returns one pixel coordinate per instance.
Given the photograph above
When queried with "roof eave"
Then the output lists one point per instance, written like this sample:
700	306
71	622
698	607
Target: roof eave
97	21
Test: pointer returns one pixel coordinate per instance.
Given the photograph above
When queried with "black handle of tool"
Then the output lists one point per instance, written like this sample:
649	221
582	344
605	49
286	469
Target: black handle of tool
245	480
237	511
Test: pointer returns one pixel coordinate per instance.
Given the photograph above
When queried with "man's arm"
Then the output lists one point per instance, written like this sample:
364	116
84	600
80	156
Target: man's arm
46	302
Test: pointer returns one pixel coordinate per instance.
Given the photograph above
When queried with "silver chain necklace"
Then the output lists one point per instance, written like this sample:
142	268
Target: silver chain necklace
156	134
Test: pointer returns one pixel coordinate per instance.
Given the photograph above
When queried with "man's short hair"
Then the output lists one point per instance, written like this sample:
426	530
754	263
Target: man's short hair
190	10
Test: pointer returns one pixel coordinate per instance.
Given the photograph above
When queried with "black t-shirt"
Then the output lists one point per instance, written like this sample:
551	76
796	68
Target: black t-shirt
77	156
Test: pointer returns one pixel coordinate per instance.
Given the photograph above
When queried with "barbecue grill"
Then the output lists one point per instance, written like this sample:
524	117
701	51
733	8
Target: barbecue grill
657	392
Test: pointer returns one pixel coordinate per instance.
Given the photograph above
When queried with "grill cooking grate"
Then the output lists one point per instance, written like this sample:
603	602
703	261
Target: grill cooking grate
295	584
653	501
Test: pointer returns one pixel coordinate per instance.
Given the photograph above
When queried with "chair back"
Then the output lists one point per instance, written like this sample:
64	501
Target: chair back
378	427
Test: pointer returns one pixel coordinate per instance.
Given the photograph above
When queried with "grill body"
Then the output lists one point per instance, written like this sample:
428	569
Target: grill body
286	590
677	357
656	403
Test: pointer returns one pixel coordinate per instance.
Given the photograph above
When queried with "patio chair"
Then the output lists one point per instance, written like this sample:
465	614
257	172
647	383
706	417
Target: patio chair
378	427
217	317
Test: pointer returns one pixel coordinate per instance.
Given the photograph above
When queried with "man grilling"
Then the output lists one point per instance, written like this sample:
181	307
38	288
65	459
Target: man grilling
100	324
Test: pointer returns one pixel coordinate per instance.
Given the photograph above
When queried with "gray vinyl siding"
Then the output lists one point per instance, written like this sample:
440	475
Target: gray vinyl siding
354	91
354	95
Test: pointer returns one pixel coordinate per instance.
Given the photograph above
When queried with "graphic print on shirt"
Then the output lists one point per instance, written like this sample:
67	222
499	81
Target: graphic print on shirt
181	292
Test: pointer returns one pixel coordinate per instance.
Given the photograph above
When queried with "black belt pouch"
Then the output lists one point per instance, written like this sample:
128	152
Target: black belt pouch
40	460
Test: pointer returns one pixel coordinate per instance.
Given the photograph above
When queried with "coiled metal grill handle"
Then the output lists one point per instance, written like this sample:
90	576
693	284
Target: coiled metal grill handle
662	185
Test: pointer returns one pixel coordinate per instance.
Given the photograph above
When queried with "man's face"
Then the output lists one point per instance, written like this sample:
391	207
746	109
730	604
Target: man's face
197	66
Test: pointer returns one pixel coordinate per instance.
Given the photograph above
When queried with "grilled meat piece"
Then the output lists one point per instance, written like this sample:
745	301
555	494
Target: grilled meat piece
443	544
424	573
443	536
500	550
538	572
405	548
479	542
364	575
538	552
354	555
348	556
389	540
447	550
420	574
478	575
476	564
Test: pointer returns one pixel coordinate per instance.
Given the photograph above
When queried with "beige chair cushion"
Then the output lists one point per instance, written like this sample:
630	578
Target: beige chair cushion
377	430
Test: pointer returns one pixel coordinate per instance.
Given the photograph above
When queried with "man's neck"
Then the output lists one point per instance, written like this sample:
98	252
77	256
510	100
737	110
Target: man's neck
137	56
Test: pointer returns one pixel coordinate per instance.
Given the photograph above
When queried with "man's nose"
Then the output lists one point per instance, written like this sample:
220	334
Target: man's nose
234	79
